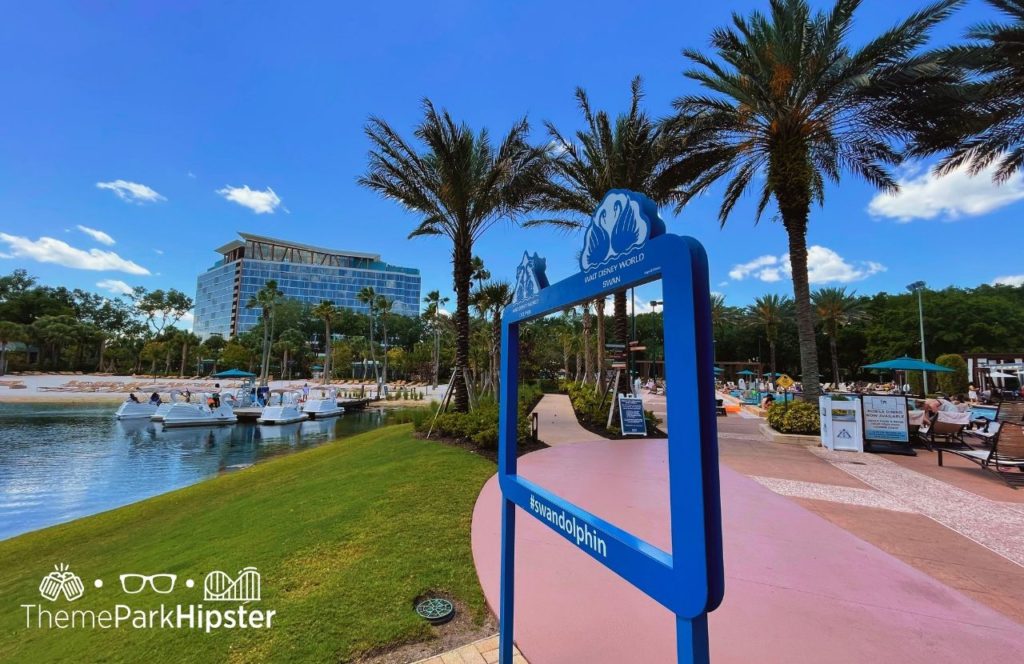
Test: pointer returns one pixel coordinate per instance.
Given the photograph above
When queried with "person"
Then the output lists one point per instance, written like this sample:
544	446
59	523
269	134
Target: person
768	400
305	392
742	384
215	397
133	398
972	393
154	399
187	394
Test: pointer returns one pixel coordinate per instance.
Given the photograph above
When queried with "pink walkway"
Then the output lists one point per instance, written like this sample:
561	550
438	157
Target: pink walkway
798	589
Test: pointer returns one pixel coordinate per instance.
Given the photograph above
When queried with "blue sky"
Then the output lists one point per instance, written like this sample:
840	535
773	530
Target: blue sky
197	101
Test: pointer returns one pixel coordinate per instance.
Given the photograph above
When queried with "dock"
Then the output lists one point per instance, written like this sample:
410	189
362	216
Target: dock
253	412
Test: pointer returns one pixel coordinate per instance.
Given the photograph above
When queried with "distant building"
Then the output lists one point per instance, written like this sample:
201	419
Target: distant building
305	273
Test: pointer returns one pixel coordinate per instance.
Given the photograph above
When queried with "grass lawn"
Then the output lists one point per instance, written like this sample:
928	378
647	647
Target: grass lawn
344	537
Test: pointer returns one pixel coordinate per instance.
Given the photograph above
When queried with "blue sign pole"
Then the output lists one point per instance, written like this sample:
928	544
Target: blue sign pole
624	246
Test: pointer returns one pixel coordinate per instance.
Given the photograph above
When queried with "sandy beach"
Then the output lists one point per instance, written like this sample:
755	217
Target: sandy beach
81	388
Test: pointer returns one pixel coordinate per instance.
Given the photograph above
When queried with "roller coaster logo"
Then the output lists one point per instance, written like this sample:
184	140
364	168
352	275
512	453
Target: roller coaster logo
220	587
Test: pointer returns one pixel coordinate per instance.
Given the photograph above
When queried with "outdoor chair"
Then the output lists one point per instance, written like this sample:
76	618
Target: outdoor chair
1006	457
1010	411
946	428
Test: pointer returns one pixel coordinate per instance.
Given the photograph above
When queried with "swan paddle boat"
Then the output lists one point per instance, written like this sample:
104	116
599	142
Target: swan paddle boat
322	402
283	408
131	410
211	413
175	397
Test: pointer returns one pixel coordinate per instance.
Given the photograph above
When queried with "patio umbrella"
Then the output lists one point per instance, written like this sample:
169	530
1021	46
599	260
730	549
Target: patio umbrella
719	370
745	372
906	364
234	373
1000	374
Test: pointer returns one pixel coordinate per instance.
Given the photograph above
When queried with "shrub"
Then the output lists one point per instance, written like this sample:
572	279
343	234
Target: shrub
480	426
800	417
956	382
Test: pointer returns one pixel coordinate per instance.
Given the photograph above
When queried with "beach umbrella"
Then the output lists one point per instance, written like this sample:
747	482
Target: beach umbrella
719	370
745	372
906	364
234	373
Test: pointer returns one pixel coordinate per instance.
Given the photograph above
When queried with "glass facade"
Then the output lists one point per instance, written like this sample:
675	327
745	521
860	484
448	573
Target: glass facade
307	274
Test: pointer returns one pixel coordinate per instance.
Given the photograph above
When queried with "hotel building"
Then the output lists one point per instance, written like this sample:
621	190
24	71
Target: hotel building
306	273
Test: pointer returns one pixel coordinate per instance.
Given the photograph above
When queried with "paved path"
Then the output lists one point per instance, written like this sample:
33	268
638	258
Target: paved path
484	651
798	588
557	421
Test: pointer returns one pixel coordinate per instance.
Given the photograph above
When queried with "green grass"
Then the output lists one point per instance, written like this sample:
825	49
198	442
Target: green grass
344	537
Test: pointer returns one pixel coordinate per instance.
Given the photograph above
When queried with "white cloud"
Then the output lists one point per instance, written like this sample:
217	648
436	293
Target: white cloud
743	269
823	266
99	236
927	196
50	250
260	202
191	175
723	284
1009	280
131	192
159	252
115	286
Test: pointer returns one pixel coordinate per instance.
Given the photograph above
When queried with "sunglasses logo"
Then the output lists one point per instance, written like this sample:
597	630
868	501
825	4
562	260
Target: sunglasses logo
134	584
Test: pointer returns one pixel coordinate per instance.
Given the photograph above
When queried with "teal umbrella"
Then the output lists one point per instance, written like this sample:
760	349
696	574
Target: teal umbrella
719	370
745	372
234	373
906	364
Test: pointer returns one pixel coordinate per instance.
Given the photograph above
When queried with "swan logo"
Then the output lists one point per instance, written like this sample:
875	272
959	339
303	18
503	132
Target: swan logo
624	221
530	277
220	587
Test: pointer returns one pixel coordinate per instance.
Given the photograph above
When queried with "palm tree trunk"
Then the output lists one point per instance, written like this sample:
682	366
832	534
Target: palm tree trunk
384	326
796	228
462	262
771	354
373	354
265	355
588	350
496	352
599	305
3	358
835	360
327	352
622	336
184	359
437	351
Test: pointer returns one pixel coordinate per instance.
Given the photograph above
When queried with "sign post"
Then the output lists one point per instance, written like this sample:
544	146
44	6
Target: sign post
625	245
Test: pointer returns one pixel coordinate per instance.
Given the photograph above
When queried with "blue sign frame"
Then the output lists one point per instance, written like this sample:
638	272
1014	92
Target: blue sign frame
690	580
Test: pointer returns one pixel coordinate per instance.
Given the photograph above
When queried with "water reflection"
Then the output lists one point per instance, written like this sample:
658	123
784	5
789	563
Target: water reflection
59	463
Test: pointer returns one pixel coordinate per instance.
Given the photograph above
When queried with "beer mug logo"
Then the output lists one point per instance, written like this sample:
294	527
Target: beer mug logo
61	580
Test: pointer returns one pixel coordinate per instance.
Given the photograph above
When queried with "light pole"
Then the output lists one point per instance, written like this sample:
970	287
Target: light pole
918	287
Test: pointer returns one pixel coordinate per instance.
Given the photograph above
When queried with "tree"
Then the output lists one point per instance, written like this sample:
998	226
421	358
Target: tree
795	107
630	152
327	312
492	299
236	355
368	296
160	308
187	340
956	382
287	346
213	347
768	312
836	309
480	273
9	332
383	306
462	185
434	303
266	300
982	94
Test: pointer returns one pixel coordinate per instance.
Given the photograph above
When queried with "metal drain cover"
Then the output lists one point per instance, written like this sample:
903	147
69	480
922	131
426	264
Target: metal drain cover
436	610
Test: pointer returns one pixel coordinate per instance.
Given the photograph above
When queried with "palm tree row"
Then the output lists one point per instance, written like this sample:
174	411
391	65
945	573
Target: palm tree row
789	107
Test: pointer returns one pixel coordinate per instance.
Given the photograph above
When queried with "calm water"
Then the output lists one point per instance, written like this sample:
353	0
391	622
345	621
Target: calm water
61	462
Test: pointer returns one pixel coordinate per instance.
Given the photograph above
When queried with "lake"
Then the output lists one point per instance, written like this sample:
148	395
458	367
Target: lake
59	462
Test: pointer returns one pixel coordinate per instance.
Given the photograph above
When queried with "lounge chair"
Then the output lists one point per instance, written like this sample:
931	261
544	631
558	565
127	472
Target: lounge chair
1010	411
1006	457
947	428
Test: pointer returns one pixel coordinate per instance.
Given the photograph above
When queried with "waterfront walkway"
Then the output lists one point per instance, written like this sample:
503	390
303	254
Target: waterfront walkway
556	421
828	558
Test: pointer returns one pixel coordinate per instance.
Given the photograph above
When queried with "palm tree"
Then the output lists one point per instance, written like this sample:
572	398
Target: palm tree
835	309
769	311
492	299
983	96
480	273
383	306
214	346
187	340
327	312
368	296
434	303
462	185
630	152
288	344
9	332
588	347
795	106
266	300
